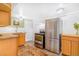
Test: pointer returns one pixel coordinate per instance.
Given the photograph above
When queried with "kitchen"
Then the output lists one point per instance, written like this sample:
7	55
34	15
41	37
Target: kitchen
24	21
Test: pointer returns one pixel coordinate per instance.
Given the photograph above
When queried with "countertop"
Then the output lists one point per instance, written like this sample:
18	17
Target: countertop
7	36
70	35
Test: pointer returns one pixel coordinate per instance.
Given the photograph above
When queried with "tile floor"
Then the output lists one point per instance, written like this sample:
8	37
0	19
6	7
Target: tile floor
30	50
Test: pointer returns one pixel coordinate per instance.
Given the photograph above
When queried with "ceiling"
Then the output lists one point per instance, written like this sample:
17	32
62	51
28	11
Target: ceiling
43	9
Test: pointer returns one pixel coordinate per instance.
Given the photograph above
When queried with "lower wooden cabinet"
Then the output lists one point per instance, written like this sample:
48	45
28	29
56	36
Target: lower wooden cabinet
66	47
8	45
75	48
21	38
70	45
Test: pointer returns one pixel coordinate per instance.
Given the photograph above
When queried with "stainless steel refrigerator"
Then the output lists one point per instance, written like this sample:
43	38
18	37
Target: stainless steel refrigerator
53	29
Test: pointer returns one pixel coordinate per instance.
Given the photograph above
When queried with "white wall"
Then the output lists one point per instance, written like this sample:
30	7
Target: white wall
68	23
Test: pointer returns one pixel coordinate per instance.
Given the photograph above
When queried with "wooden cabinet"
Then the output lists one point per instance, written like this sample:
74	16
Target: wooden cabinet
66	47
75	48
6	7
21	39
4	18
5	14
8	45
70	45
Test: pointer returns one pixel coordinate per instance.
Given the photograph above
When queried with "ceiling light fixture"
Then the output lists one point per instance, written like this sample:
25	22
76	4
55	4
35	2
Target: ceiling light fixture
60	8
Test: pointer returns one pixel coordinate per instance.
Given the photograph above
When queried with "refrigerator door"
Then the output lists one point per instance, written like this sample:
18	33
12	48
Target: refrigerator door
48	36
54	38
55	45
52	45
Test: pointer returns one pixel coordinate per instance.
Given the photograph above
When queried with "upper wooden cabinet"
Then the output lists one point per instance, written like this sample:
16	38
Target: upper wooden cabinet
5	14
5	7
4	19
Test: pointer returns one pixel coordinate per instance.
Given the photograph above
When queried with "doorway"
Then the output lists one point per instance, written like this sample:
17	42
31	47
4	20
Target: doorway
28	28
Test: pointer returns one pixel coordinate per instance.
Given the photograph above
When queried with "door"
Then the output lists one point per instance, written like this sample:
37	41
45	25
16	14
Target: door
29	29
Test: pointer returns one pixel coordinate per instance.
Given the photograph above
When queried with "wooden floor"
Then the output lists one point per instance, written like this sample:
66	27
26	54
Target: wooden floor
30	50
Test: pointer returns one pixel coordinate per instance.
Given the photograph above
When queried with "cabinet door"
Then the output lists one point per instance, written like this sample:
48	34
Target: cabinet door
66	47
8	47
21	39
75	48
6	7
4	18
